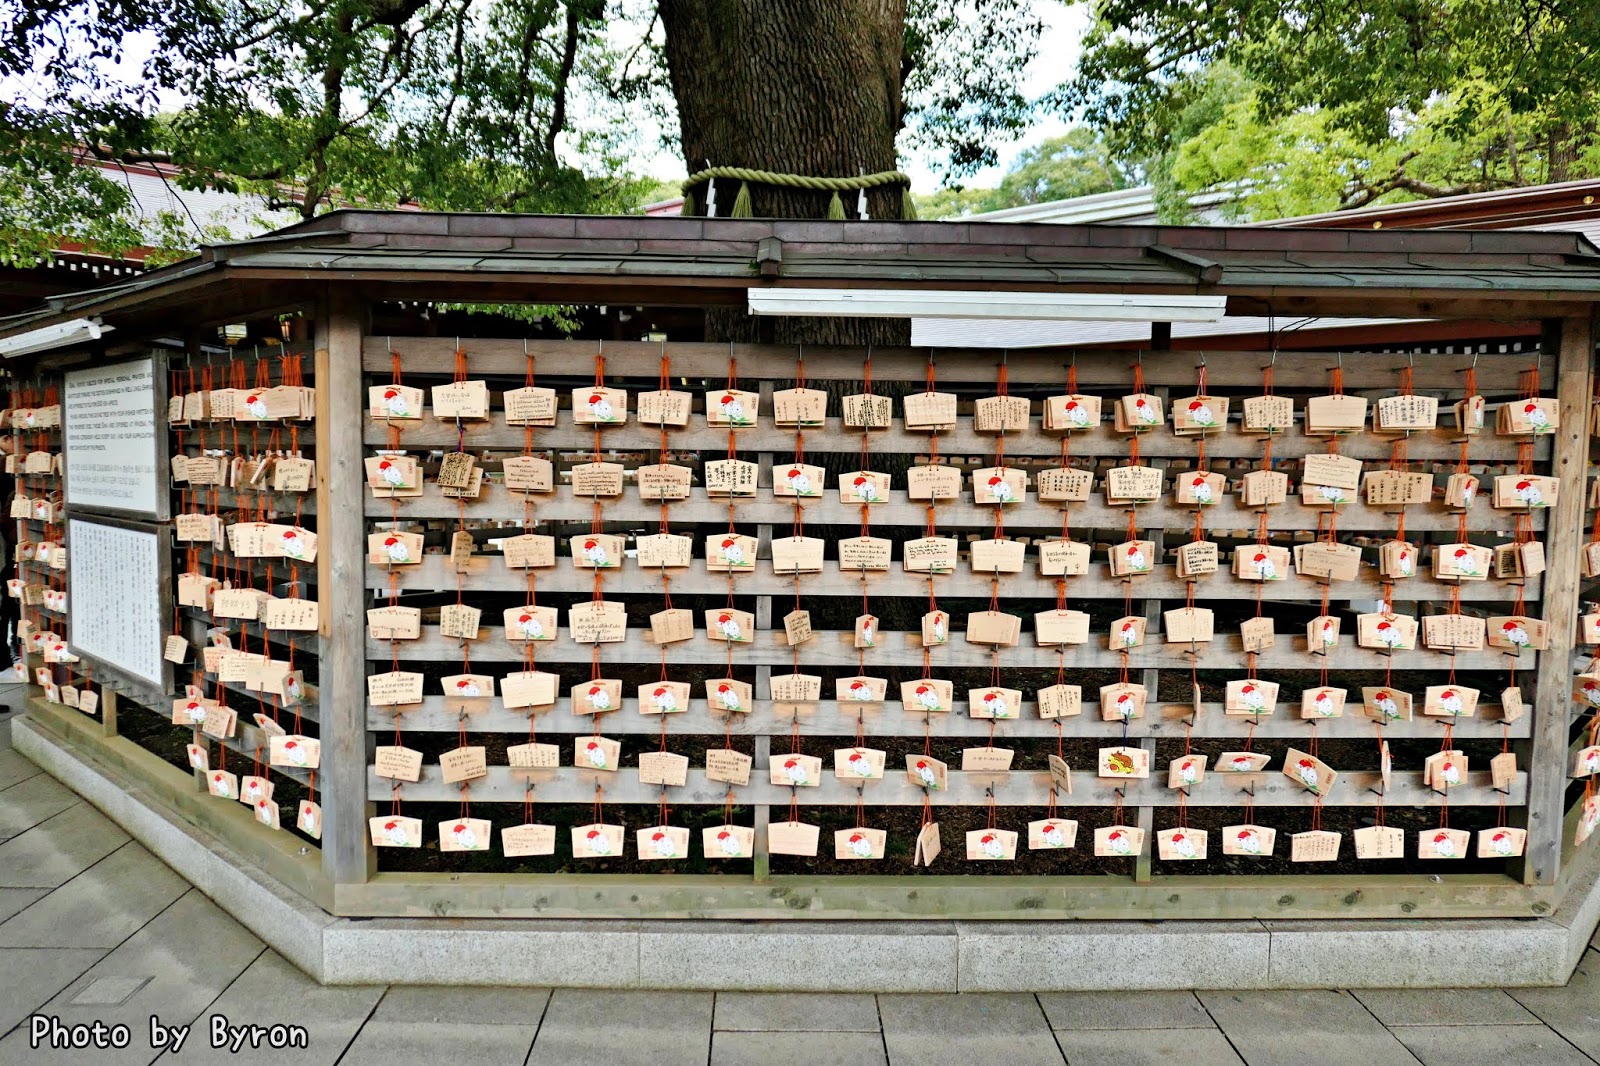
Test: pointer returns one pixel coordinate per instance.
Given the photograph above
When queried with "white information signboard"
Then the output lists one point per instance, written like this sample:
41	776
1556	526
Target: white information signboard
112	439
114	583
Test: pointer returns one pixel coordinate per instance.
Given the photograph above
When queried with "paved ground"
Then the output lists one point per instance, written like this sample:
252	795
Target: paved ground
93	927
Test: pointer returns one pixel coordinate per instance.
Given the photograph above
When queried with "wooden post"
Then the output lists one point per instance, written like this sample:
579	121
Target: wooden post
108	711
346	856
763	752
763	613
1564	536
1151	680
1151	677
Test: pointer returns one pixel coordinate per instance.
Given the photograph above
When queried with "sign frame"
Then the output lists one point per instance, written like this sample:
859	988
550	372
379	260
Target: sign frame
121	679
163	460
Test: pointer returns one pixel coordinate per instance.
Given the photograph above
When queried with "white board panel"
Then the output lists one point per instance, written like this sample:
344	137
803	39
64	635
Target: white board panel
115	590
111	439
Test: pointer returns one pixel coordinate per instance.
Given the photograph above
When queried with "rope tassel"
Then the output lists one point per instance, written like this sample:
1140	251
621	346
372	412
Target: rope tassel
745	175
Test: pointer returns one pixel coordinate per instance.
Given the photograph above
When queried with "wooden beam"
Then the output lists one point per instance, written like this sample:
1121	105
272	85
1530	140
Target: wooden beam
488	573
958	441
1019	788
835	648
828	718
1361	303
1407	897
1563	549
496	504
346	854
1096	367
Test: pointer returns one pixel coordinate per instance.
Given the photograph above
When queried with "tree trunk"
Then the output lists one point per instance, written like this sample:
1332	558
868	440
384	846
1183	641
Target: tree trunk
807	87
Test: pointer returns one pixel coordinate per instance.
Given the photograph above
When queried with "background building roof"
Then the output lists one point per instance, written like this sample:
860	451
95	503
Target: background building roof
1572	207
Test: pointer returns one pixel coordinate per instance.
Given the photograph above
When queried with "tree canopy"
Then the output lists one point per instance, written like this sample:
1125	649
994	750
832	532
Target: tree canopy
513	105
547	105
1302	106
1077	163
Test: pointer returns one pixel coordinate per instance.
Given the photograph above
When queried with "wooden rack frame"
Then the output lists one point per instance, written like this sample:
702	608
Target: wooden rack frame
429	360
336	269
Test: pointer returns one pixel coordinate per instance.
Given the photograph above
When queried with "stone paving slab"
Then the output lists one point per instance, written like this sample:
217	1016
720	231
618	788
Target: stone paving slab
27	803
444	1003
13	767
184	958
435	1043
1488	1045
836	1012
30	977
101	907
1296	1028
1573	1011
1149	1047
787	1049
13	900
776	956
609	1028
1444	1006
274	992
1124	1010
59	848
190	960
974	1028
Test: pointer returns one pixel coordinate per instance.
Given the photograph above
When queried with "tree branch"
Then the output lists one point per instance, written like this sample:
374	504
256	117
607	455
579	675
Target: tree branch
569	56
